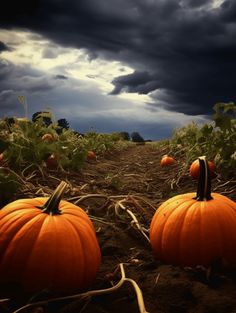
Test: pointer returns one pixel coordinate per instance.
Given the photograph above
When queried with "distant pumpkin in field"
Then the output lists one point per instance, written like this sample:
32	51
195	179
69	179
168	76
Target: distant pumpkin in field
167	160
51	162
1	159
91	155
48	137
195	169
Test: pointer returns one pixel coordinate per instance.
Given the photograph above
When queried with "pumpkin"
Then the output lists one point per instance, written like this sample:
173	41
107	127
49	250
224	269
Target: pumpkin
48	137
195	168
1	159
47	243
91	155
167	160
195	229
51	162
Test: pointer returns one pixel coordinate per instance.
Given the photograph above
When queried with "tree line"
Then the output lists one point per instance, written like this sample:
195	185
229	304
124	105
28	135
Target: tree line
62	123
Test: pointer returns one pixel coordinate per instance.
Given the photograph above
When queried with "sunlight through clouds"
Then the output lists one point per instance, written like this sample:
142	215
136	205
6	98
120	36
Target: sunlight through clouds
30	49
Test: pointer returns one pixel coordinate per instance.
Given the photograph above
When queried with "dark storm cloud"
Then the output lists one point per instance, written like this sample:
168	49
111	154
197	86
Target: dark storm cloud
15	80
4	47
22	78
140	82
59	76
182	52
195	3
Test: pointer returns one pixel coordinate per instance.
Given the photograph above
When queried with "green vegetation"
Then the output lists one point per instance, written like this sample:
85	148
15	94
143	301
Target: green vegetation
22	146
216	140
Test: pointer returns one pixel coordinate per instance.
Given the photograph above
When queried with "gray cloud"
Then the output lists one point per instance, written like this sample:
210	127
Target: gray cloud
59	76
49	53
4	47
153	131
180	50
16	80
140	82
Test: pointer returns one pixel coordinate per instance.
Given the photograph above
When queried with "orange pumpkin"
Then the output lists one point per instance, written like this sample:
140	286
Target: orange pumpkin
167	160
47	243
1	159
91	155
48	137
51	162
195	169
195	229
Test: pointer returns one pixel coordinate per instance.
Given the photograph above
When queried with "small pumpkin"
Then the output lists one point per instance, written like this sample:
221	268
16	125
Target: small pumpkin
91	155
48	137
195	169
1	159
51	162
195	229
47	243
167	160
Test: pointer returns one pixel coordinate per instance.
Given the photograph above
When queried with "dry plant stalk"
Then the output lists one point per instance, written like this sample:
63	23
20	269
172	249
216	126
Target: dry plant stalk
119	204
141	305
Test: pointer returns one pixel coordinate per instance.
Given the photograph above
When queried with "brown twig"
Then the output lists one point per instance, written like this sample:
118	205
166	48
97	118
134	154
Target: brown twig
141	305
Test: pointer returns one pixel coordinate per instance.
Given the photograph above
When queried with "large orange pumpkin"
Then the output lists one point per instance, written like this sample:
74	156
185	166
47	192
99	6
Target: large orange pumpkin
195	169
47	243
195	229
167	160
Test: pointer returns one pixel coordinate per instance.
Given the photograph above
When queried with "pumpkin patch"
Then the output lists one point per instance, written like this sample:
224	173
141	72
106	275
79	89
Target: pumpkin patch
156	227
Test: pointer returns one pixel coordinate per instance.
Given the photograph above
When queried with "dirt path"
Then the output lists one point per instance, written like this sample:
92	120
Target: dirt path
135	170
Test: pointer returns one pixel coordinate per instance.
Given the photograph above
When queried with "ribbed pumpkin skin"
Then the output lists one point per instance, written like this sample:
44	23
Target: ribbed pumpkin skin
195	168
167	160
39	250
188	232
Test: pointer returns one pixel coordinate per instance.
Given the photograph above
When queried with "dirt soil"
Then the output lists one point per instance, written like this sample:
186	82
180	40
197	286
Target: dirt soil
133	180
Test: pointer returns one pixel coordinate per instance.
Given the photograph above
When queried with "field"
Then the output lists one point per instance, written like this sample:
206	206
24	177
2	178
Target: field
120	184
108	188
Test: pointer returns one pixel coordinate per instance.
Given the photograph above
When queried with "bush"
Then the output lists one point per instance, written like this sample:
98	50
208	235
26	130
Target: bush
136	137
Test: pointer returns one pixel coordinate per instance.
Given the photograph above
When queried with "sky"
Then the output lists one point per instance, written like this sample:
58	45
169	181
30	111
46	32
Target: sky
118	65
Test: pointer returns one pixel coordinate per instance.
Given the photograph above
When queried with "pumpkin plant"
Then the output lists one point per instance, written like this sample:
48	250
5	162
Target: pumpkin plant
195	229
195	169
167	160
47	243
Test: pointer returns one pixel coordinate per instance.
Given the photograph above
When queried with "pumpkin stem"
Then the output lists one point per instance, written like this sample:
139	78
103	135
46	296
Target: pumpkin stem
204	181
52	205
